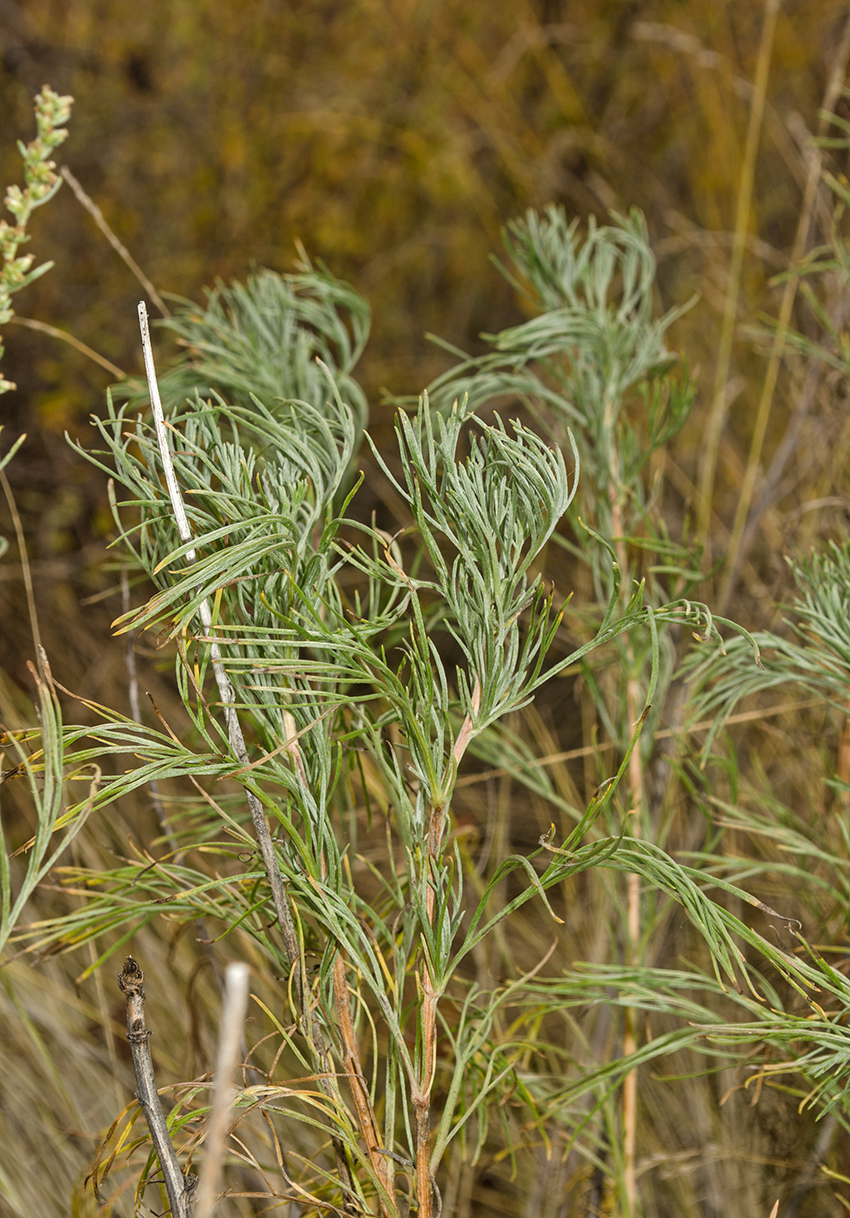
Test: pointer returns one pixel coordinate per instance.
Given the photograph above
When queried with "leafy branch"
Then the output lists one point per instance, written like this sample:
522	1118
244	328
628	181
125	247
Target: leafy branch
41	183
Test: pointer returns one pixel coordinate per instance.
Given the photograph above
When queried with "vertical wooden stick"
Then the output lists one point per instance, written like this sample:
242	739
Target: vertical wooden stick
178	1186
230	1039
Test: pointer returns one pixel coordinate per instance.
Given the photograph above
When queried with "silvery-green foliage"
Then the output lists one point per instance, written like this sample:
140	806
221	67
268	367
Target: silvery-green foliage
592	360
592	353
275	337
813	652
350	650
483	521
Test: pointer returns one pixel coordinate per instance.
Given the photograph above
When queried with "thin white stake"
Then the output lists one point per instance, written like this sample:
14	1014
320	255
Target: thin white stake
174	492
225	689
230	1037
161	434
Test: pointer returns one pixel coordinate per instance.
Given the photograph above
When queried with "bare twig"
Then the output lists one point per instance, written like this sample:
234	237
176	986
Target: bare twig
119	247
354	1071
178	1186
65	337
230	1040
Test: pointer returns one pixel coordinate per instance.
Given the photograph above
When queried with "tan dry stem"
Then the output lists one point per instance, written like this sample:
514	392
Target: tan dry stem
637	795
718	410
421	1097
357	1082
735	552
421	1093
44	327
633	914
118	245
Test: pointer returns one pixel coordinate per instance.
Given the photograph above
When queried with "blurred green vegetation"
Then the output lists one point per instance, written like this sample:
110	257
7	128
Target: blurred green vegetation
394	140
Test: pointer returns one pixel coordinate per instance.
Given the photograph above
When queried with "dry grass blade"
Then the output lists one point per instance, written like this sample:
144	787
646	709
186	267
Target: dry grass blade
718	411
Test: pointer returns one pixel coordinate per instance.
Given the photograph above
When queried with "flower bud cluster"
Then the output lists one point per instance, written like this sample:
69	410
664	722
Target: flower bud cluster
41	182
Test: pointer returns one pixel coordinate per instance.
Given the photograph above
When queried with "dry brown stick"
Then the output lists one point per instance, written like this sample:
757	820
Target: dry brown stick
357	1082
178	1186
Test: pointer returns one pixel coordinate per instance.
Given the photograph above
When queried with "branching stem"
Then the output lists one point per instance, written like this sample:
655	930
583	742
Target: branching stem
357	1082
421	1095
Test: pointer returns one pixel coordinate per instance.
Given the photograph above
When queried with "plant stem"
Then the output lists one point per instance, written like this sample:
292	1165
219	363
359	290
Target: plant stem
309	1022
178	1186
736	552
44	328
637	794
717	413
118	245
636	784
357	1082
421	1094
421	1097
